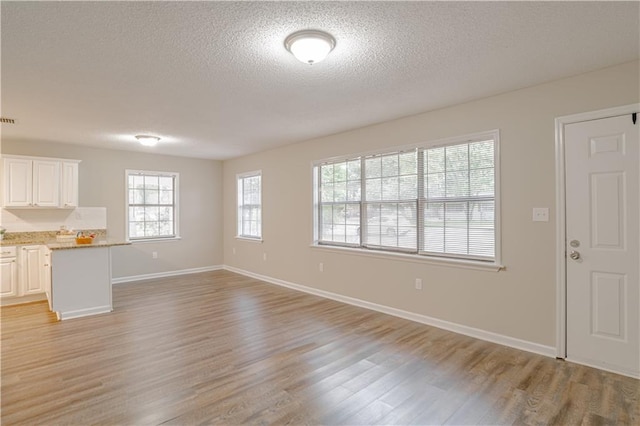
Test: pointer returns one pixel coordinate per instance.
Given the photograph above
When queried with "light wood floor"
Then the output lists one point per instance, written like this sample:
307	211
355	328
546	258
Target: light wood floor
221	348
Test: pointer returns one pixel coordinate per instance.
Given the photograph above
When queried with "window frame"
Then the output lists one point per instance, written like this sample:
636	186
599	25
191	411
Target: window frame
240	178
318	205
418	254
176	205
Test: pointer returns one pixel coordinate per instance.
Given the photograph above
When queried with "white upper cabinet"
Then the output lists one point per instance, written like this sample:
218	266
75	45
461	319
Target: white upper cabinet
46	183
18	182
69	187
34	182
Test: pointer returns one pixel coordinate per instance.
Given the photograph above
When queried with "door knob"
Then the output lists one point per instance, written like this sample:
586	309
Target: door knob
575	255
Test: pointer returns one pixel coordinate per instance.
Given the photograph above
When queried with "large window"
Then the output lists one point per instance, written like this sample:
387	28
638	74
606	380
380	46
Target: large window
429	200
250	205
152	205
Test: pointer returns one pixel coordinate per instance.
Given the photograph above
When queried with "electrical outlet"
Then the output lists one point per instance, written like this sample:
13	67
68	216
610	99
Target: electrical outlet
418	283
321	267
233	250
264	256
154	254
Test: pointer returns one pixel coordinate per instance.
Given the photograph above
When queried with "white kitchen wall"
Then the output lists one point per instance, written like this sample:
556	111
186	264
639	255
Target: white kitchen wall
102	184
27	220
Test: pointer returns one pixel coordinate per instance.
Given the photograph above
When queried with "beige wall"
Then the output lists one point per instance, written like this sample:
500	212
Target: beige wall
102	184
518	302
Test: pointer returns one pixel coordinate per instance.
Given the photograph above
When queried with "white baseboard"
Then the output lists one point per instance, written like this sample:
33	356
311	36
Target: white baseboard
84	312
489	336
18	300
121	280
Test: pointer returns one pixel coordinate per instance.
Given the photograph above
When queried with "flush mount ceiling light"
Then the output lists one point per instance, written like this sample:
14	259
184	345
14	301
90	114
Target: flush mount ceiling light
310	46
147	140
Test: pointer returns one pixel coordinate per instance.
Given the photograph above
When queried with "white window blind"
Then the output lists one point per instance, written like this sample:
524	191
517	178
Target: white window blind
250	205
459	200
391	194
340	195
151	205
433	201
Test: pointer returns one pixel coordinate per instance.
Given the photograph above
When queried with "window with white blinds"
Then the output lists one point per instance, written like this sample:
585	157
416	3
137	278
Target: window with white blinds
340	196
428	200
152	205
391	194
458	206
250	205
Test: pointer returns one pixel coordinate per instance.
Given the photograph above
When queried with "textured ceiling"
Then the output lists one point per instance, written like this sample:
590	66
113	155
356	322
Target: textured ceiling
214	80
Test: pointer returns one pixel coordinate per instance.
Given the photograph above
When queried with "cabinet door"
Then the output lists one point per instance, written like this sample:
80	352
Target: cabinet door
18	183
9	277
69	187
46	273
31	270
46	183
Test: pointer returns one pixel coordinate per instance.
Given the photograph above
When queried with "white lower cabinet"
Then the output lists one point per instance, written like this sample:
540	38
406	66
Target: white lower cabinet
31	269
9	272
24	274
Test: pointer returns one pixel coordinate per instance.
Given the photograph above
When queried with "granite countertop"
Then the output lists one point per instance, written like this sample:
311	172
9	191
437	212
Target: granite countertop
48	238
97	242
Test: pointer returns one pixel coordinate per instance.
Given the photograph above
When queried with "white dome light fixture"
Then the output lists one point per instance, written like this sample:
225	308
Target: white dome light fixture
310	46
148	140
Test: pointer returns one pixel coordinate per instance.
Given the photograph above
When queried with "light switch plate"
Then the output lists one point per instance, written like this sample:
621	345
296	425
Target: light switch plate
541	214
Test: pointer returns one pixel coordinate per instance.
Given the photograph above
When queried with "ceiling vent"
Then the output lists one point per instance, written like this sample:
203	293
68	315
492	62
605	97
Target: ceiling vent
5	120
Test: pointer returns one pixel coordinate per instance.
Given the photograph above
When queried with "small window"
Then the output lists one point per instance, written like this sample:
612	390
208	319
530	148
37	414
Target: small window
250	205
152	205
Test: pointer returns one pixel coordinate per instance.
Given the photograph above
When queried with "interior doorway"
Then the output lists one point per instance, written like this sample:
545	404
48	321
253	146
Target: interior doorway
599	240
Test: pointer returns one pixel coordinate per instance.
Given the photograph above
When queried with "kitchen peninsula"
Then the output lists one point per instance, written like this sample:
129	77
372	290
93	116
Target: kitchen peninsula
76	278
81	278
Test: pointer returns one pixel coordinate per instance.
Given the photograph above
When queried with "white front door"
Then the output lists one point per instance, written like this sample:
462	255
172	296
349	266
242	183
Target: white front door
602	243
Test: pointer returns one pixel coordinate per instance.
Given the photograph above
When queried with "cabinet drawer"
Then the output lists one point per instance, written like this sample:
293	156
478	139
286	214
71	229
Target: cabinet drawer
8	251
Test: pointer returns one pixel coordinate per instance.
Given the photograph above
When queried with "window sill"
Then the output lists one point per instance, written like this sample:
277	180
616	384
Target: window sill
432	260
154	240
254	240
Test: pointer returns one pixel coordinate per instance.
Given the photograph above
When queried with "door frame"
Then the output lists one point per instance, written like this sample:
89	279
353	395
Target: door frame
561	226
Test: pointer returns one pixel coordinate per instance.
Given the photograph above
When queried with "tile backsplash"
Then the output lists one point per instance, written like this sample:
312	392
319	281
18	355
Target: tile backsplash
32	220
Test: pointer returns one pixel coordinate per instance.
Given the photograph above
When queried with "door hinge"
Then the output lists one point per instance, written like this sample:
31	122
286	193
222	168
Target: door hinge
634	117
